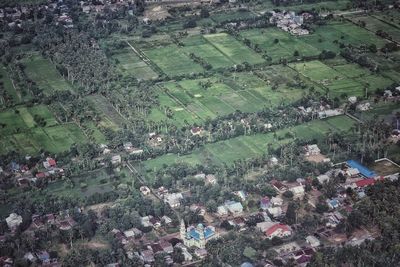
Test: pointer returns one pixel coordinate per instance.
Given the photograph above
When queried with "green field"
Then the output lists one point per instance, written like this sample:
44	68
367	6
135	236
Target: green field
374	24
20	132
109	116
172	61
328	37
190	102
131	65
265	39
199	46
8	86
233	49
348	79
245	147
45	75
222	17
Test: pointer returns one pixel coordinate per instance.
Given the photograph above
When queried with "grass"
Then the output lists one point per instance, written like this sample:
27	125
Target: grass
45	75
233	49
245	147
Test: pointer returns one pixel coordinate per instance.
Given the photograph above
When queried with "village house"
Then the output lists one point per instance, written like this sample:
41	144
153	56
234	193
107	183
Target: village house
298	192
196	131
173	199
312	150
313	241
276	201
275	212
278	230
116	159
144	190
265	203
49	163
211	179
235	208
13	221
278	186
323	178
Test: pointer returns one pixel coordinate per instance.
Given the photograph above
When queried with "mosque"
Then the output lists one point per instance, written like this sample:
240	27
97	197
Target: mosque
197	236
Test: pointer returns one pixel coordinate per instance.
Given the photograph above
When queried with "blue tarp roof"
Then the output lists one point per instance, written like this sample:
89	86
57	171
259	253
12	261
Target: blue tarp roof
362	169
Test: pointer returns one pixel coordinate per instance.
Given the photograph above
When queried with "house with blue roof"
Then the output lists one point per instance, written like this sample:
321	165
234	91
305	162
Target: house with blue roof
197	236
361	168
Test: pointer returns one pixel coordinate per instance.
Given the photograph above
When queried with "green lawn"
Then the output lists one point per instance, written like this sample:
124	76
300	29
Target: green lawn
374	24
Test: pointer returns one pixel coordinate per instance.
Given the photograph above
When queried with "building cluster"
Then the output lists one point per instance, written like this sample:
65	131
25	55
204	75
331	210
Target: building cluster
290	22
31	173
15	16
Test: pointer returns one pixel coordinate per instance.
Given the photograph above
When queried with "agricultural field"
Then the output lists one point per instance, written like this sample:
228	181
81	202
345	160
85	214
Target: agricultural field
110	118
348	79
284	48
223	17
374	24
199	46
20	131
245	147
131	65
329	36
45	75
172	61
233	49
195	101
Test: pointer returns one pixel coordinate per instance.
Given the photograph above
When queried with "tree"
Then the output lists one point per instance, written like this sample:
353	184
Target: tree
291	216
204	13
177	255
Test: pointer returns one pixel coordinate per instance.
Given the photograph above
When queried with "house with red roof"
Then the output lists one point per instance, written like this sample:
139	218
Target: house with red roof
364	182
49	163
278	230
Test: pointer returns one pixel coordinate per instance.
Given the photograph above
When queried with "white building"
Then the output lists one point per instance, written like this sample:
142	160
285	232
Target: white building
173	199
298	192
313	241
13	221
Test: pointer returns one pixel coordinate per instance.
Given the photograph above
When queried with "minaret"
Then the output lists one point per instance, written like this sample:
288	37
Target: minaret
202	239
183	231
